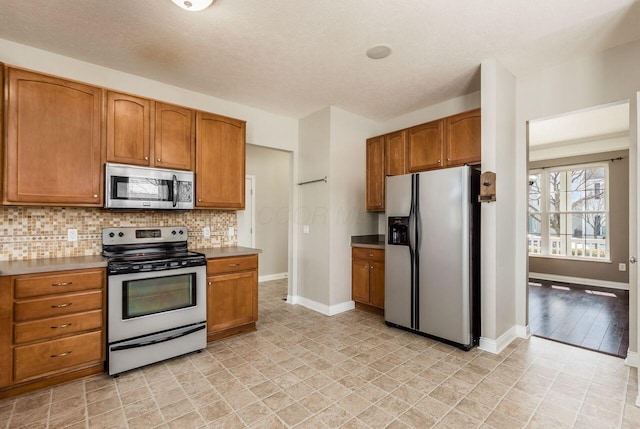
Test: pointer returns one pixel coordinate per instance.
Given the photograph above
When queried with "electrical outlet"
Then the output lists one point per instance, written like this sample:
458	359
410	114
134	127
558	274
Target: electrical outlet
206	232
305	229
622	267
72	235
231	231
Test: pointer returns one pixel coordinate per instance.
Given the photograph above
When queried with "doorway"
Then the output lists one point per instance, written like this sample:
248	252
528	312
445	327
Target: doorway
271	186
578	228
247	217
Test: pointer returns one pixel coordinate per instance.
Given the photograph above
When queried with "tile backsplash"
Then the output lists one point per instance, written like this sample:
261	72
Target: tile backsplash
41	232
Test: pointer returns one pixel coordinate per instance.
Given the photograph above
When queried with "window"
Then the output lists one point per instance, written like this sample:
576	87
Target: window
568	212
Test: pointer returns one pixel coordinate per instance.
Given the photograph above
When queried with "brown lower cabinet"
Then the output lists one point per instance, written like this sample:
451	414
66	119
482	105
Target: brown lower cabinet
232	296
51	328
367	279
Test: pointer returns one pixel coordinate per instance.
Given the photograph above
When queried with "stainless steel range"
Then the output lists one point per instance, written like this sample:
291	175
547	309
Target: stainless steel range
156	296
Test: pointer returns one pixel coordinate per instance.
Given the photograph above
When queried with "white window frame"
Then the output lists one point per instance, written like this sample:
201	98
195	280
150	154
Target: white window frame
545	238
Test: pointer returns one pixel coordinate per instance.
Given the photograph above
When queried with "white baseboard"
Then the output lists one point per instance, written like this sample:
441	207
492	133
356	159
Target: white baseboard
268	277
523	332
321	308
497	346
580	281
633	359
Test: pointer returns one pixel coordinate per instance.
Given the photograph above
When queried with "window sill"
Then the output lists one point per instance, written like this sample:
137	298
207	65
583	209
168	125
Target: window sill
569	258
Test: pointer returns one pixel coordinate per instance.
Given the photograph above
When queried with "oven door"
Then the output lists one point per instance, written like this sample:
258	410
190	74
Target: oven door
150	302
153	188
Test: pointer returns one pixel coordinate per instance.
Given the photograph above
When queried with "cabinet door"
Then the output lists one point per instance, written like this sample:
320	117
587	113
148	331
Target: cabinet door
53	141
376	283
232	300
375	174
463	138
395	153
220	162
360	280
425	146
173	142
128	126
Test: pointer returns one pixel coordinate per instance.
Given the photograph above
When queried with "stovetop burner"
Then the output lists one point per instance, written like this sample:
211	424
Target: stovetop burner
131	250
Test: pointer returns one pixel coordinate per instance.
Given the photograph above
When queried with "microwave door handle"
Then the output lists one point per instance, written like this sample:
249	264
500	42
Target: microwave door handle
175	190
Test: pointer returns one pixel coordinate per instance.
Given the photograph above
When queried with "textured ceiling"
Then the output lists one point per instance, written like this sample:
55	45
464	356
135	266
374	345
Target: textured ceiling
293	57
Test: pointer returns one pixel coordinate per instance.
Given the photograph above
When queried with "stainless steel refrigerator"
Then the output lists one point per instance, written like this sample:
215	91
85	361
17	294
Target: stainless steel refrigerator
432	254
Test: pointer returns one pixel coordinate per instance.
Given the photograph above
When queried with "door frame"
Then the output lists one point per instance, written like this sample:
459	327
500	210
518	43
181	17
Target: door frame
251	195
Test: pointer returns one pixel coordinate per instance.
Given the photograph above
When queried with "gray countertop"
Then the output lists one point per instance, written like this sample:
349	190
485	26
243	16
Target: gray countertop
33	266
374	241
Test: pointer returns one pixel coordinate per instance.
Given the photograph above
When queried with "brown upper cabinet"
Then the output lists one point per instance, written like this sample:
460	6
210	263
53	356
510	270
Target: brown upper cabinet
395	147
53	143
128	129
174	142
463	138
149	133
375	174
424	148
220	161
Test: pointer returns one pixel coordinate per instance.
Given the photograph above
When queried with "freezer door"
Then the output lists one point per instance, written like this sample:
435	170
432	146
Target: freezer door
444	240
397	258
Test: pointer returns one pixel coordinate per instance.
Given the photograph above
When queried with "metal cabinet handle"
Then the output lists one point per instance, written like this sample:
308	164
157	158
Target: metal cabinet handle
158	159
146	158
199	199
62	284
234	265
95	195
370	254
61	354
61	305
371	267
209	283
66	325
439	161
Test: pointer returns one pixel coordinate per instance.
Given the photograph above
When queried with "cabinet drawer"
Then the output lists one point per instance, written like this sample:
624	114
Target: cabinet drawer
59	305
365	253
56	326
60	282
230	265
41	358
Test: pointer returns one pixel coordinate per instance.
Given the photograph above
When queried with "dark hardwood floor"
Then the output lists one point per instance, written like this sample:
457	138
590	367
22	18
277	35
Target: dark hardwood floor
585	316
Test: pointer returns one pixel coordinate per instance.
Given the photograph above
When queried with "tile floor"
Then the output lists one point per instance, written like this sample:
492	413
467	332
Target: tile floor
305	370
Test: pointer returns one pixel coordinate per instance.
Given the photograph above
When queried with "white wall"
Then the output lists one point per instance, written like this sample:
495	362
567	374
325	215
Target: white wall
606	77
272	193
313	210
498	218
347	197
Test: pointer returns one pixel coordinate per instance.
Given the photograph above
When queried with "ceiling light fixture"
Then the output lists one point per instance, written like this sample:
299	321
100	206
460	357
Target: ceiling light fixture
193	5
378	52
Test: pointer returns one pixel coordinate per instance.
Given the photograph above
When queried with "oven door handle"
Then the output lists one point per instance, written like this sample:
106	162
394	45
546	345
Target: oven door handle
175	190
159	340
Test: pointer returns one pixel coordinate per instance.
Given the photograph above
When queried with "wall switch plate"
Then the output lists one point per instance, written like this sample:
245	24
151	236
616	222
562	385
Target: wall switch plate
206	232
305	229
231	231
72	235
622	267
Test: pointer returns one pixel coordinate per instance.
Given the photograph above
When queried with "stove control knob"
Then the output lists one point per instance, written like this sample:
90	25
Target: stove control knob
173	232
181	232
111	234
121	234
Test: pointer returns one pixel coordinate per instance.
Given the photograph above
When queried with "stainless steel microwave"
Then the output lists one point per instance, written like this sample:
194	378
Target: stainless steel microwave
132	187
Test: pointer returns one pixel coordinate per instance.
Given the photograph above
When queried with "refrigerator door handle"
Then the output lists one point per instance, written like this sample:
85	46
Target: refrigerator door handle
416	257
412	249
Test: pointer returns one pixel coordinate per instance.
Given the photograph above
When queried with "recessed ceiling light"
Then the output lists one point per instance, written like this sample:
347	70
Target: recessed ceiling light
193	5
378	52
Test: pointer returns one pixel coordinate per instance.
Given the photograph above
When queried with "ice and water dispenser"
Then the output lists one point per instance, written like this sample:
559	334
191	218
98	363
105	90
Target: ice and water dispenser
398	233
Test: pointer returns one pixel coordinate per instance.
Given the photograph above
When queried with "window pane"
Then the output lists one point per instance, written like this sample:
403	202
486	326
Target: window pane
596	225
535	224
554	191
577	180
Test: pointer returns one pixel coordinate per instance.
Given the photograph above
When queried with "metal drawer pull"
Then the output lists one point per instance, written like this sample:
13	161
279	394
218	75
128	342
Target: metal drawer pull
62	284
62	354
61	305
234	265
66	325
